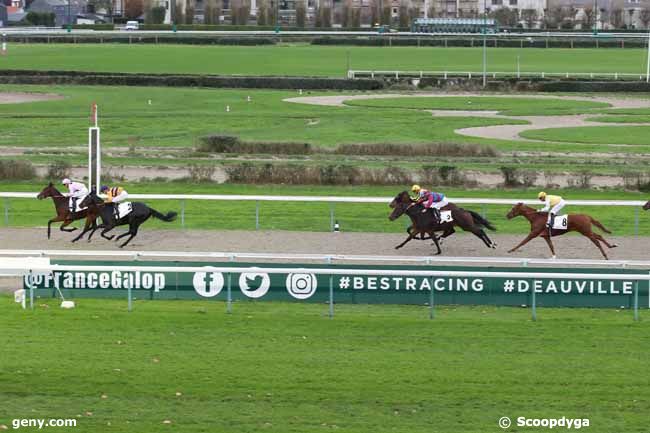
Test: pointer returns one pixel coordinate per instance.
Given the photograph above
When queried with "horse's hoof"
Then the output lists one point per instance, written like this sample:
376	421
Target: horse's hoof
614	246
553	257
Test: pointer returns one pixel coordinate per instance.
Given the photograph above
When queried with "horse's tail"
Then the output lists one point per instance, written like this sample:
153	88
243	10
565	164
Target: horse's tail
599	225
480	220
171	216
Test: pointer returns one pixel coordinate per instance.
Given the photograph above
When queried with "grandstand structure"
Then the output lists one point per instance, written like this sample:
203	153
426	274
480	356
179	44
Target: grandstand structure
454	25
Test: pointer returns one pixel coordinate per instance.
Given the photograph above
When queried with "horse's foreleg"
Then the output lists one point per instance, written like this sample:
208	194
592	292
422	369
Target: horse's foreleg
83	232
550	244
525	241
435	241
49	226
411	236
65	224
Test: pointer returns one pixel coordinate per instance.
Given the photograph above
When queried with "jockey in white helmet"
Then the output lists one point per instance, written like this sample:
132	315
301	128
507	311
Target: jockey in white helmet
76	190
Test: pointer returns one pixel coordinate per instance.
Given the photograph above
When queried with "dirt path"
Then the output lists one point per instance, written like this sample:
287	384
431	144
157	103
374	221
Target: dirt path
463	245
22	97
500	132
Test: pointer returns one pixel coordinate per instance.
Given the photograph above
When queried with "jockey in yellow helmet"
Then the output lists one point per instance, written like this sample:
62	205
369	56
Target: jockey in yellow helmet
554	203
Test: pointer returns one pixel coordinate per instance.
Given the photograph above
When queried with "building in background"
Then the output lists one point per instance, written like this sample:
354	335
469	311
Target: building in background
4	17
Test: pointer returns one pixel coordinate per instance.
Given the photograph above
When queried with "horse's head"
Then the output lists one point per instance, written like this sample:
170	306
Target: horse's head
91	200
646	206
48	191
400	203
516	210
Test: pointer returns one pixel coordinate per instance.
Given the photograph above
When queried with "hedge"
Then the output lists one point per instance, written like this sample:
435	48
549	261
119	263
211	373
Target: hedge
127	38
237	28
592	86
91	26
120	79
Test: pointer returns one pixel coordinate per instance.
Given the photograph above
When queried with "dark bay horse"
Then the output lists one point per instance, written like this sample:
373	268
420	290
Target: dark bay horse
576	223
426	222
139	214
62	208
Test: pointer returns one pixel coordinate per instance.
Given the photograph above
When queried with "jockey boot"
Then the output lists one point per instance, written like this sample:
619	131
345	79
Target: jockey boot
549	225
436	214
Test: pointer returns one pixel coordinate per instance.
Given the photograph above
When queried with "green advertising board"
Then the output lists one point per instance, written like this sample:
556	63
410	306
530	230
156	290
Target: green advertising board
305	286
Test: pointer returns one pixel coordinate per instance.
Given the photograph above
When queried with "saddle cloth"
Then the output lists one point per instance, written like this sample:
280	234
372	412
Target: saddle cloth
123	209
445	216
76	208
561	222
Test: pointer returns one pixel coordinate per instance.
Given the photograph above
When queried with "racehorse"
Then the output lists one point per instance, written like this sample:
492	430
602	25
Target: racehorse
61	205
139	214
575	223
427	223
646	206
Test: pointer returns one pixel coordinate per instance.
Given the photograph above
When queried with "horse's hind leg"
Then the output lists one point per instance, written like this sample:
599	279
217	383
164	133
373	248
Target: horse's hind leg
602	239
435	241
593	239
65	224
133	230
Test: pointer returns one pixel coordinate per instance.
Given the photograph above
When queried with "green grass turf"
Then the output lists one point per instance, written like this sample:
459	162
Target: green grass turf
303	59
177	116
505	106
281	367
630	135
316	216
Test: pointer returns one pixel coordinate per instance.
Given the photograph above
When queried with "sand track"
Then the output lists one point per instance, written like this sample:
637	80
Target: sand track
23	97
461	245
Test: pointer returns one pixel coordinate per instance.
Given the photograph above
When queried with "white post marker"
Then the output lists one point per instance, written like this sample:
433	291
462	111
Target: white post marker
4	45
227	108
337	227
647	69
94	151
248	99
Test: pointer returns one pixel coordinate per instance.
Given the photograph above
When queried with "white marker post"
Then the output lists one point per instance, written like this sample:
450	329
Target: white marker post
4	45
94	151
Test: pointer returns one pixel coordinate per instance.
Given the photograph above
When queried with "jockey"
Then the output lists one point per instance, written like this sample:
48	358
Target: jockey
554	203
76	190
430	199
115	195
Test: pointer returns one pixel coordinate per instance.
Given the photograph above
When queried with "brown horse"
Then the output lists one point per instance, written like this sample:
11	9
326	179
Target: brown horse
62	208
576	223
646	206
427	223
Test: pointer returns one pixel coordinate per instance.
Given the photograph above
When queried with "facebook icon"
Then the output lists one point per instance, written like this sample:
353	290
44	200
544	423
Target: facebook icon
208	284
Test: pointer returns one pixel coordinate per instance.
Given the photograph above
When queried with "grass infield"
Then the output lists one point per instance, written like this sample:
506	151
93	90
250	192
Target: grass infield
311	60
281	367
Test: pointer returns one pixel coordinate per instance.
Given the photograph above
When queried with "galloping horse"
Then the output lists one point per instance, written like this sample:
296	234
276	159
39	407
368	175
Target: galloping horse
576	223
61	205
139	214
426	223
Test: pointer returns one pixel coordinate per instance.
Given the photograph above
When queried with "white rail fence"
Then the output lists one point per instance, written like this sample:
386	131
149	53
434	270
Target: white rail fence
39	266
181	256
331	200
354	74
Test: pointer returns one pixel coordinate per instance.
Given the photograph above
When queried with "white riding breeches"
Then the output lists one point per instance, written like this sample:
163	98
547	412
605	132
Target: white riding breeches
120	197
442	203
556	209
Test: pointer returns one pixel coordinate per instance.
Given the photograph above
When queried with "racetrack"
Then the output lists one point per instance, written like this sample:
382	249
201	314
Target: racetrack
460	245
